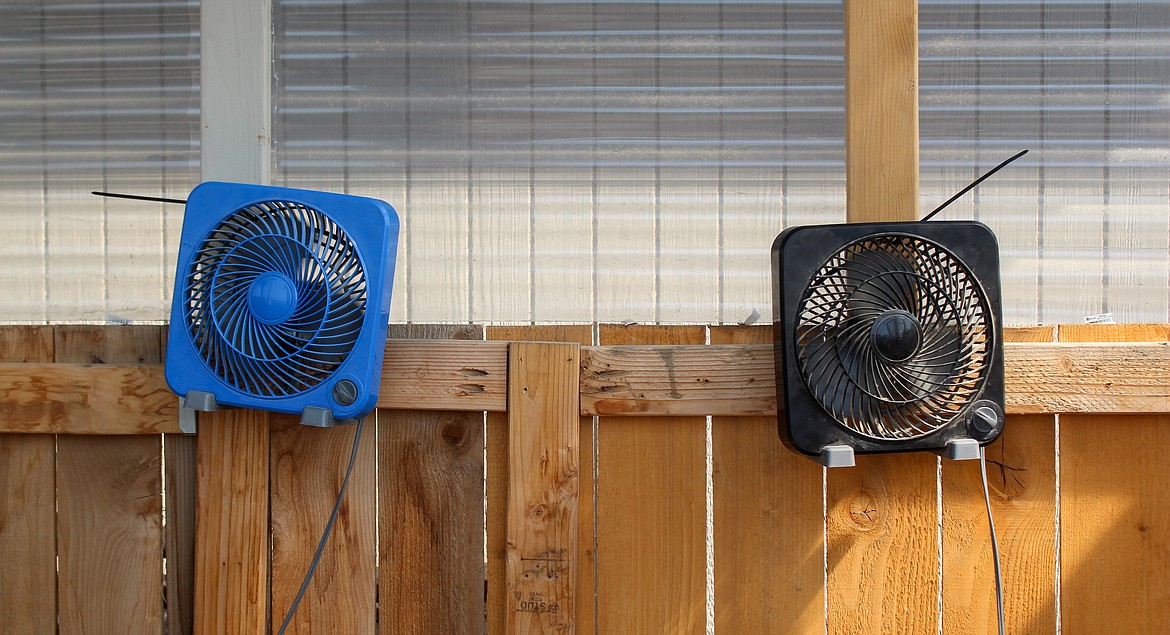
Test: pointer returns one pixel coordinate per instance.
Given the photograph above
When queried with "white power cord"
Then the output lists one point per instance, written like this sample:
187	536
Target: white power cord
994	541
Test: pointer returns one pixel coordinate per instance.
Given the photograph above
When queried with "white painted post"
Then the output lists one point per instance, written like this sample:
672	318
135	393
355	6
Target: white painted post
235	47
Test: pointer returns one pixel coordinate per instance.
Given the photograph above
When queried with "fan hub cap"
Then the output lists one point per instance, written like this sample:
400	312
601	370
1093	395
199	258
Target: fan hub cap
896	335
272	298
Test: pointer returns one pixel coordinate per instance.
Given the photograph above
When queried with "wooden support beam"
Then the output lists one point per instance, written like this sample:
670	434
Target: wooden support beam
235	141
721	380
134	398
881	110
236	92
543	460
738	379
231	523
87	399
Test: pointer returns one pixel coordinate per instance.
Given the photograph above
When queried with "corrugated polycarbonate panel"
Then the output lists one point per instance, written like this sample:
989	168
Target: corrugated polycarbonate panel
567	161
94	96
1084	219
571	161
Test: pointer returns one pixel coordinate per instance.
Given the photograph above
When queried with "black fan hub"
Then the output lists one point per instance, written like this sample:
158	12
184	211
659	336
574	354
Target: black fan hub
896	335
272	298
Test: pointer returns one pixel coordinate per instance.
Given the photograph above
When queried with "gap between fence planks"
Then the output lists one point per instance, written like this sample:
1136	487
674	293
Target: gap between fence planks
718	380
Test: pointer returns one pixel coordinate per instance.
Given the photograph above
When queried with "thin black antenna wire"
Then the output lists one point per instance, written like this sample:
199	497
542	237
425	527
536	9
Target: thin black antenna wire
139	197
972	185
357	437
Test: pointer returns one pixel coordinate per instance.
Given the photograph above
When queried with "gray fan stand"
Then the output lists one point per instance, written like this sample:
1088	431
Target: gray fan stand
956	450
192	401
205	402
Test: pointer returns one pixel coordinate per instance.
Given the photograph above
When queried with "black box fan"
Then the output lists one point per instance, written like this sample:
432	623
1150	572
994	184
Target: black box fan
888	338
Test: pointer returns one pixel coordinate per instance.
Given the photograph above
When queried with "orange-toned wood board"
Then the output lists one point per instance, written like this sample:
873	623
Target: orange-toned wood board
651	510
881	535
498	484
882	545
462	375
738	380
231	523
769	524
306	469
1114	510
431	512
109	534
881	110
543	466
1021	471
28	529
678	380
88	399
109	503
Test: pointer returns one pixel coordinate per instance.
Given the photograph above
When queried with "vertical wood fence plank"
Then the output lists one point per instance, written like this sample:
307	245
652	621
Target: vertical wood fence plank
1021	473
769	522
179	531
307	466
109	525
651	510
882	545
1114	510
109	501
231	523
543	457
431	504
28	536
28	577
497	493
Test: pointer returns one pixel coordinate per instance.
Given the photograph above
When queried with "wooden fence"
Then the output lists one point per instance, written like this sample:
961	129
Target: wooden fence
642	520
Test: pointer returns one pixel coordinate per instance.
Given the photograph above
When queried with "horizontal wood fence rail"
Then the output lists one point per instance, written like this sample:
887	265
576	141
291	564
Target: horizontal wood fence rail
719	380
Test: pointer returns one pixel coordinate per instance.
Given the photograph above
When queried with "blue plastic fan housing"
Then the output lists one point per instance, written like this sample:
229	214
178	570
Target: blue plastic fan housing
282	299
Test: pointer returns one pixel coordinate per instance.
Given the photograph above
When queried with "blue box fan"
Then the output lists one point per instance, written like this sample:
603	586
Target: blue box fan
282	298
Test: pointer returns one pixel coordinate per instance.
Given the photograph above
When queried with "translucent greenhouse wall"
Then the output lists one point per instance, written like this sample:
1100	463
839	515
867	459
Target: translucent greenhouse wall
591	161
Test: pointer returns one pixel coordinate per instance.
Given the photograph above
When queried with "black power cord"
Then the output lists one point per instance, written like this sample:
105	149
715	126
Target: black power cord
357	437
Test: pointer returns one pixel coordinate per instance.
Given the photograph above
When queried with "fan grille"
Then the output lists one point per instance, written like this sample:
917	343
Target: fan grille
892	336
275	298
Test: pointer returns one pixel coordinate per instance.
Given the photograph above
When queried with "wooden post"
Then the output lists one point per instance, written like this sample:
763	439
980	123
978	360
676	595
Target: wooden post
882	517
543	460
231	530
235	48
881	110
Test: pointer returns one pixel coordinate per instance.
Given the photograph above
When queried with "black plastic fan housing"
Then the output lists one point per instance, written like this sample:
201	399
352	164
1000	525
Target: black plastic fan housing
888	336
